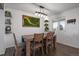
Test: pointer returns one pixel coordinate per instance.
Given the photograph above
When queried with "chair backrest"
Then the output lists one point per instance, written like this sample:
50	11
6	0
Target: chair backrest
38	37
16	44
50	35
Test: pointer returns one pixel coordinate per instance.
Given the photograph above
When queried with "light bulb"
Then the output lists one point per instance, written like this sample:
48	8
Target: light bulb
41	15
44	16
36	14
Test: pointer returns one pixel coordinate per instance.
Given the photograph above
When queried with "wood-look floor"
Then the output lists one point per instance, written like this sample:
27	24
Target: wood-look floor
64	50
61	50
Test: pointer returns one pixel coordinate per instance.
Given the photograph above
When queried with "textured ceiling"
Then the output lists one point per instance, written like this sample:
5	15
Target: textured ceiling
53	8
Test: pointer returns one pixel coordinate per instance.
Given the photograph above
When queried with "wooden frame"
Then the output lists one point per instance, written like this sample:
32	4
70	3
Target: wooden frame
28	21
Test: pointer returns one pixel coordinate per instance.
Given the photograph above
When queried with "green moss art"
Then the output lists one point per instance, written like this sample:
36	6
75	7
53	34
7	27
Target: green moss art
29	21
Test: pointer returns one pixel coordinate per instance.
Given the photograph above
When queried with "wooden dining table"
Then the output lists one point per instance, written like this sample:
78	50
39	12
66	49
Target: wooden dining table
27	40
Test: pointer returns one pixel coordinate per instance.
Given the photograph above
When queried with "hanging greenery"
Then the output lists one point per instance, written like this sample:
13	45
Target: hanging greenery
46	21
46	28
46	25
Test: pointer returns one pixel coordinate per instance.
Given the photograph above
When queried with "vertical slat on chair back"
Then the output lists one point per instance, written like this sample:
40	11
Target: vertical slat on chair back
38	37
50	35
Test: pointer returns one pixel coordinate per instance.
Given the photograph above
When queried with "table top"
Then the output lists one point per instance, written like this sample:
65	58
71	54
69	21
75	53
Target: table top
29	37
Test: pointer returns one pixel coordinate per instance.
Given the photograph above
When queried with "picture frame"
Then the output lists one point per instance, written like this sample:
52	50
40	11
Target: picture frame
8	29
29	21
8	21
71	21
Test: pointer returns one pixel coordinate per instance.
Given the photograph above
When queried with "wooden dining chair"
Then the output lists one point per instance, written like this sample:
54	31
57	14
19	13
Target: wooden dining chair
49	40
19	49
37	42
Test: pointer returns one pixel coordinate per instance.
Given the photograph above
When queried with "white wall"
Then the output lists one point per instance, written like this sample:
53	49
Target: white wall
19	30
2	32
70	35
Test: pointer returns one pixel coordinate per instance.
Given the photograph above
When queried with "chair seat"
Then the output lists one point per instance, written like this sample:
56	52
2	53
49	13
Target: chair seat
49	42
22	48
37	45
20	51
19	48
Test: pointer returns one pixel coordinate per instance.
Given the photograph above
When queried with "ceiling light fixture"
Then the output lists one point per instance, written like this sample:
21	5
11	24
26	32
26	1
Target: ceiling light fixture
41	12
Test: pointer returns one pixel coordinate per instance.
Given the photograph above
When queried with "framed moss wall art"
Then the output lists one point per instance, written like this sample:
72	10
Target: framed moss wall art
28	21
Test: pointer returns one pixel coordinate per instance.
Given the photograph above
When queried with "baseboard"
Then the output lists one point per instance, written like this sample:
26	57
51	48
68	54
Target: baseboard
67	45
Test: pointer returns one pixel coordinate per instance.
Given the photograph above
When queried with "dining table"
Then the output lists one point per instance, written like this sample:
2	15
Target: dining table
27	40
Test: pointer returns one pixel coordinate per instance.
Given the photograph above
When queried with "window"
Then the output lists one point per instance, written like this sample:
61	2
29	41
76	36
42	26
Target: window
55	25
60	24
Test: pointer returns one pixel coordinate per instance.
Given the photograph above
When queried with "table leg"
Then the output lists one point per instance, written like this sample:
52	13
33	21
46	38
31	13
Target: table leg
54	42
28	48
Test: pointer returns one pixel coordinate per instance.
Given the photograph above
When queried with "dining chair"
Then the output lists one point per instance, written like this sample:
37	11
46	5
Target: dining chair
37	42
19	48
49	40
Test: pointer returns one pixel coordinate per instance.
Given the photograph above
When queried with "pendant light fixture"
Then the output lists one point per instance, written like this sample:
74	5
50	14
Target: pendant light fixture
41	12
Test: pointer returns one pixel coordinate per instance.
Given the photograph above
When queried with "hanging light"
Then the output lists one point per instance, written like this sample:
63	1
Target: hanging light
41	12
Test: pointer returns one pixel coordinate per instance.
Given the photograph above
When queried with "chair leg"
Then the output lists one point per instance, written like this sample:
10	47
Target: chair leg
54	45
46	49
54	42
42	51
51	46
34	52
17	53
